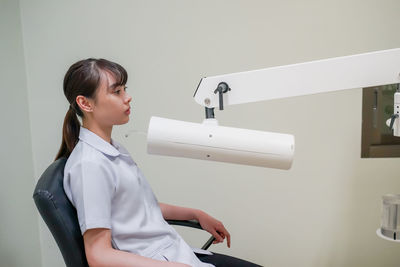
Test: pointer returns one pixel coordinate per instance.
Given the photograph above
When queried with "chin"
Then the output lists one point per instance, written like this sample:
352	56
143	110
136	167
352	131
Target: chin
123	121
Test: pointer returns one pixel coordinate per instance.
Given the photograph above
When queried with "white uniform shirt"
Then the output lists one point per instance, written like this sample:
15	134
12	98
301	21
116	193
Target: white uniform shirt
109	191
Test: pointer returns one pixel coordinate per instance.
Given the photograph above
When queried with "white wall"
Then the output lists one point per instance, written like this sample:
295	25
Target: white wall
326	209
19	236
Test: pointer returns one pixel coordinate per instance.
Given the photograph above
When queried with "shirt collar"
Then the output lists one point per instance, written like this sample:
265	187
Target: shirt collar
99	143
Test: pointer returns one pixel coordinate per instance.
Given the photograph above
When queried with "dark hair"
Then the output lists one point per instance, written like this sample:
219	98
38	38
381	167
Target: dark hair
83	78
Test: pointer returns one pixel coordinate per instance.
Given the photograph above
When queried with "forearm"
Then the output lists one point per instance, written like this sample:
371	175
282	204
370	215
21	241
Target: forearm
171	212
110	257
100	253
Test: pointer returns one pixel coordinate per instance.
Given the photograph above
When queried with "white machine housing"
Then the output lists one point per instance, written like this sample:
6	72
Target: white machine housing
208	141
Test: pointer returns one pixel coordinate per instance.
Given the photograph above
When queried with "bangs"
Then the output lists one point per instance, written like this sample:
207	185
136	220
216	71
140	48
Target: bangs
119	73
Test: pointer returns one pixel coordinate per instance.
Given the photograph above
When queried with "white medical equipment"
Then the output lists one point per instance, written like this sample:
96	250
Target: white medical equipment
394	121
390	221
209	141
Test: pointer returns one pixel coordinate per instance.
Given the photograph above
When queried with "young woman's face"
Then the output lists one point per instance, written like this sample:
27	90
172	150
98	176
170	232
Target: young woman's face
112	102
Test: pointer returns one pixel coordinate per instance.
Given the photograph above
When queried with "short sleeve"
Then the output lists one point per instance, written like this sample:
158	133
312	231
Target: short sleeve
92	187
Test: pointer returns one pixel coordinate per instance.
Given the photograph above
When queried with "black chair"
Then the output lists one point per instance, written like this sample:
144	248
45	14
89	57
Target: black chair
61	218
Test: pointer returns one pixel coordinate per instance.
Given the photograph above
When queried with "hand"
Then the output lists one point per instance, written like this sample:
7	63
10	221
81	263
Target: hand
214	227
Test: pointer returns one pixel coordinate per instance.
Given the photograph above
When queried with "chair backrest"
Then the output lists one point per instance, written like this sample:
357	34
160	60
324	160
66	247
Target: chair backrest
59	214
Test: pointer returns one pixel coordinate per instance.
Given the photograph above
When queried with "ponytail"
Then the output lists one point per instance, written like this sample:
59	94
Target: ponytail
70	134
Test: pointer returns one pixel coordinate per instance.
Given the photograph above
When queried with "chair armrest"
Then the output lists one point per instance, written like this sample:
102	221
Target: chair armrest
187	223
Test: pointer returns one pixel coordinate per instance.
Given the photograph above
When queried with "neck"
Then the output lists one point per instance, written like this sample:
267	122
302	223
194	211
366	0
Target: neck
103	131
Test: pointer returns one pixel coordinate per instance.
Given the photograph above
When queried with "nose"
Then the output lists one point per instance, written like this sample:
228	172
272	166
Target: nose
128	98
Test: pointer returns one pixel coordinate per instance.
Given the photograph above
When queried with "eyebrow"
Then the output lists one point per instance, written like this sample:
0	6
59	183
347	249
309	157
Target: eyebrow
114	85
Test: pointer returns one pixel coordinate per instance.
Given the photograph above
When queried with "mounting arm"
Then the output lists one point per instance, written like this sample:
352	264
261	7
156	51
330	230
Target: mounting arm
333	74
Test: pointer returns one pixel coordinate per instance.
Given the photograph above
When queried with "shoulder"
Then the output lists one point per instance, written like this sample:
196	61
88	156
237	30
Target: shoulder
86	157
87	171
84	152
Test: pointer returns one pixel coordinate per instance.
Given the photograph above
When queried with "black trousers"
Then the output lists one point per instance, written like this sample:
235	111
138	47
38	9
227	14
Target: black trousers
220	260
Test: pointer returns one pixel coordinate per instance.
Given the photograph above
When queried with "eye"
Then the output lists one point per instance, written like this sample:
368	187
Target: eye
118	91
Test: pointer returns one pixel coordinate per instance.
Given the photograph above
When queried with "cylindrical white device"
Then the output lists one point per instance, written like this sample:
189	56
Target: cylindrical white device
208	141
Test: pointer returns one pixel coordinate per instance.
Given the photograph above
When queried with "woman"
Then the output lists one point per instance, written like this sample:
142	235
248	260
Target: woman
121	221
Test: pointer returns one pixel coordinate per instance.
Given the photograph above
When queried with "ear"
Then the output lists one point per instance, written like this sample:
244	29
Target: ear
84	103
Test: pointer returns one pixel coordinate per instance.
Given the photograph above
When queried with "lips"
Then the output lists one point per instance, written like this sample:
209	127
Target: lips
128	111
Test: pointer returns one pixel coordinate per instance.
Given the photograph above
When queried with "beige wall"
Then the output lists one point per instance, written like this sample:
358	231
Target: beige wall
326	209
19	235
